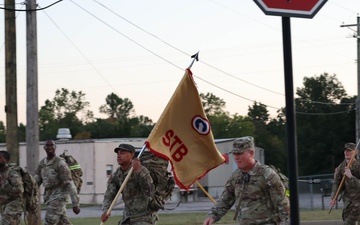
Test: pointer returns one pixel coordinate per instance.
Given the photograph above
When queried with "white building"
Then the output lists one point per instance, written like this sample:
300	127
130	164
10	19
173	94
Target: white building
98	161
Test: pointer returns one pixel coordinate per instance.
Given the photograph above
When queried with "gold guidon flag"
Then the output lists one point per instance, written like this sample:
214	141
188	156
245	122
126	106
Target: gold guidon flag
183	135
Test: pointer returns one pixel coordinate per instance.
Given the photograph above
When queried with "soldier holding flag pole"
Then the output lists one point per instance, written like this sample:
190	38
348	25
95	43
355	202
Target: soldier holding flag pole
134	182
347	182
181	135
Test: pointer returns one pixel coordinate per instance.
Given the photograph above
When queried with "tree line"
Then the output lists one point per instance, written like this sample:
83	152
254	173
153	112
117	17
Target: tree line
325	121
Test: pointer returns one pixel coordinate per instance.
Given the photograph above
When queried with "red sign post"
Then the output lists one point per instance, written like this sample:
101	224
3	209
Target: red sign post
291	8
287	9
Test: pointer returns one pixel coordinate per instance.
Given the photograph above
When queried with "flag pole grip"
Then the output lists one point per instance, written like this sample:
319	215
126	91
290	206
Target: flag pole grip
122	186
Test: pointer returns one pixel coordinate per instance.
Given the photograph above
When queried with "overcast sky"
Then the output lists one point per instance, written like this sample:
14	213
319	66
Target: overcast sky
139	49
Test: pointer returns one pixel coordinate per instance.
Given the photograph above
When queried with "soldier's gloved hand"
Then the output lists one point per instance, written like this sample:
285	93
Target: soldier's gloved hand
136	165
208	221
332	203
105	217
76	210
348	173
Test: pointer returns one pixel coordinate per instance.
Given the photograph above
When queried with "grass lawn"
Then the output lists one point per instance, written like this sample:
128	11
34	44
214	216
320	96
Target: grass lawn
197	218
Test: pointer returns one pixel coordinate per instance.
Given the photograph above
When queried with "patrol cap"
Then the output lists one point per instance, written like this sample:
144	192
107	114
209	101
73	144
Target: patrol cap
125	147
243	143
349	146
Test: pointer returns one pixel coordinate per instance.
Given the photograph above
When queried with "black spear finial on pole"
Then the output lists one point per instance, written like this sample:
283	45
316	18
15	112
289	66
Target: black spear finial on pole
195	57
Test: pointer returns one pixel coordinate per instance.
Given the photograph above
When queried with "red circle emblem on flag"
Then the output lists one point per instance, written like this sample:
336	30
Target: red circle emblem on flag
201	125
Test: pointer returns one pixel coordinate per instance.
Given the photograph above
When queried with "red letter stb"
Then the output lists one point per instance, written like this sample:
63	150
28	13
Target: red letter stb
179	153
174	142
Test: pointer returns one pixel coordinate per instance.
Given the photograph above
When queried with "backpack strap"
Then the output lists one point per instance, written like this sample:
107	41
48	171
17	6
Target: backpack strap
239	175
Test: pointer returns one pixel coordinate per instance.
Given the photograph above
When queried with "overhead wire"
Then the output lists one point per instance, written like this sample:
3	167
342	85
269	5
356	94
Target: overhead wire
127	37
28	10
215	68
142	46
172	46
81	53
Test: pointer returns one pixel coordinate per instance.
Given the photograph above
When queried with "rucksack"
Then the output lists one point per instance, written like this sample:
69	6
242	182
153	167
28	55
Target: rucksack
76	171
163	180
31	194
284	179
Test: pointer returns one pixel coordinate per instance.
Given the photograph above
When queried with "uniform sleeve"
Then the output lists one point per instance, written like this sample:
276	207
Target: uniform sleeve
67	182
278	196
37	175
112	188
353	183
224	202
13	186
145	181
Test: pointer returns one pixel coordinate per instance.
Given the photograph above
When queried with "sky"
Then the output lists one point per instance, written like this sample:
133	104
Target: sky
139	49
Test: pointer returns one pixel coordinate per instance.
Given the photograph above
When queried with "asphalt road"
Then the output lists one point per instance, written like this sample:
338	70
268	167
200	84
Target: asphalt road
204	204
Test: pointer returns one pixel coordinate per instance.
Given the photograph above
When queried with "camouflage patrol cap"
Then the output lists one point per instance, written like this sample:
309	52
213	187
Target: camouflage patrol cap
243	143
349	146
125	147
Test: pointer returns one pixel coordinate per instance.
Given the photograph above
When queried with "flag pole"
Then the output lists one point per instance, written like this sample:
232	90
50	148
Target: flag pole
123	185
205	192
195	57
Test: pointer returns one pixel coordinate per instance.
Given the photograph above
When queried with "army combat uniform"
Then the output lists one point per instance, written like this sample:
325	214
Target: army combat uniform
55	175
136	196
259	197
350	192
11	197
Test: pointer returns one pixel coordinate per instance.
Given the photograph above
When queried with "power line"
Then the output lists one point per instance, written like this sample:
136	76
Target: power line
29	10
81	53
324	114
137	43
142	46
215	68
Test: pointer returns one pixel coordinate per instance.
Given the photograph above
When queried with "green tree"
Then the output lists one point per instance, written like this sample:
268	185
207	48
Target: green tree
67	109
212	104
102	128
224	125
240	126
117	107
2	132
22	132
321	120
272	144
121	121
141	126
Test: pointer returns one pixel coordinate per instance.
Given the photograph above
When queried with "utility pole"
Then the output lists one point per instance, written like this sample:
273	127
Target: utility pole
357	122
32	112
12	138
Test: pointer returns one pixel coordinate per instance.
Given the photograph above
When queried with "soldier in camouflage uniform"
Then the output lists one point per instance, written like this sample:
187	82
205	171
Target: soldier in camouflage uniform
350	187
255	189
136	193
11	192
55	175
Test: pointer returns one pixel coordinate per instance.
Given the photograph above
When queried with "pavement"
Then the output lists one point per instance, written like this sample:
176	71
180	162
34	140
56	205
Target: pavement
203	204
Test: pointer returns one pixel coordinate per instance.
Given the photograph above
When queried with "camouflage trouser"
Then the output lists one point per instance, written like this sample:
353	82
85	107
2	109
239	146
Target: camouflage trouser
136	223
143	220
11	213
7	219
56	213
351	214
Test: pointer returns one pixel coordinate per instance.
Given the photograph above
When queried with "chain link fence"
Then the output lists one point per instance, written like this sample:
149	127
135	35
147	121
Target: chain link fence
315	192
